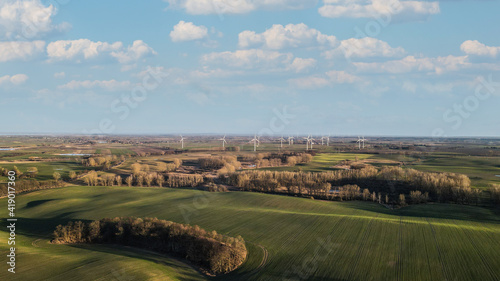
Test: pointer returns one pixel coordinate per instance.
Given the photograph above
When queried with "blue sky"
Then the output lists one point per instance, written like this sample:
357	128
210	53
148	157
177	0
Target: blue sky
339	67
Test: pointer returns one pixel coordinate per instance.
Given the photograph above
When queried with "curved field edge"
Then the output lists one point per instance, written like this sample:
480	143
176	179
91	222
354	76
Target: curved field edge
304	239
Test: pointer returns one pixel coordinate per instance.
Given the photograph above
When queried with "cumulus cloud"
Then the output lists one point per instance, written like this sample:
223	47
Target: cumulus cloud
412	64
206	7
27	19
265	60
404	10
81	49
328	79
289	36
137	51
474	47
17	79
302	65
252	58
187	31
206	72
341	77
85	49
109	85
20	50
363	48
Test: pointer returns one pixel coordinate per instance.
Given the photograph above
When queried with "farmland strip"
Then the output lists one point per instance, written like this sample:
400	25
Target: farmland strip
440	254
481	256
360	248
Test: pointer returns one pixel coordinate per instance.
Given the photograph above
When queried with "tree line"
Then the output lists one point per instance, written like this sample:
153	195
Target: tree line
27	185
442	187
143	179
213	252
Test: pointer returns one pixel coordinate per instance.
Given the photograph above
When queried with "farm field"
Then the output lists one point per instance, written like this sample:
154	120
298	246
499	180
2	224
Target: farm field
287	237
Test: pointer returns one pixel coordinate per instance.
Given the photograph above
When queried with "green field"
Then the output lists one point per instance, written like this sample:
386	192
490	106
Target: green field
481	170
301	238
46	169
323	162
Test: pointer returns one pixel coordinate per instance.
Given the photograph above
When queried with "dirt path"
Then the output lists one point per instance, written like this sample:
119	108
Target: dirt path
34	242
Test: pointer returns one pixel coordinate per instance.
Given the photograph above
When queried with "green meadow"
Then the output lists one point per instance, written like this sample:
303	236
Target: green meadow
287	237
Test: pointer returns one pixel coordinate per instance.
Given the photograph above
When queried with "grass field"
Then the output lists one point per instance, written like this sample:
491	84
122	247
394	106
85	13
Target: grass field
46	169
301	238
481	170
323	162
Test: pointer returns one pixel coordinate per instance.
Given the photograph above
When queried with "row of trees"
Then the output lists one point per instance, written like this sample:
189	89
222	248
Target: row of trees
441	186
143	179
27	185
216	253
106	162
137	168
279	159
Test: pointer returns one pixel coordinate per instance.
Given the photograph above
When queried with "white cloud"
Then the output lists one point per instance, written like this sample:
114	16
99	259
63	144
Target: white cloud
27	19
109	85
17	79
137	51
329	78
210	73
187	31
302	65
474	47
60	74
406	10
253	58
219	7
85	49
363	48
412	64
311	82
20	50
289	36
341	77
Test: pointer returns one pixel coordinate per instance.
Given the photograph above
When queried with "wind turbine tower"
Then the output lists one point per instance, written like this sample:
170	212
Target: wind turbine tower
281	141
255	141
359	141
182	142
223	142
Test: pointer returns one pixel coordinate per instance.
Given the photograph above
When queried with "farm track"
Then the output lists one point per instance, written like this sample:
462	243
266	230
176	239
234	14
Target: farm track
264	259
440	254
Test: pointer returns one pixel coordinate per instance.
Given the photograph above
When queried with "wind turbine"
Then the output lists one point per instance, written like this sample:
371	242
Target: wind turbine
290	140
255	141
307	143
281	141
323	140
309	140
182	142
223	142
359	141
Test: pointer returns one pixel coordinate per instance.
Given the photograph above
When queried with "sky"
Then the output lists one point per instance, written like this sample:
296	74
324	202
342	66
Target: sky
268	67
